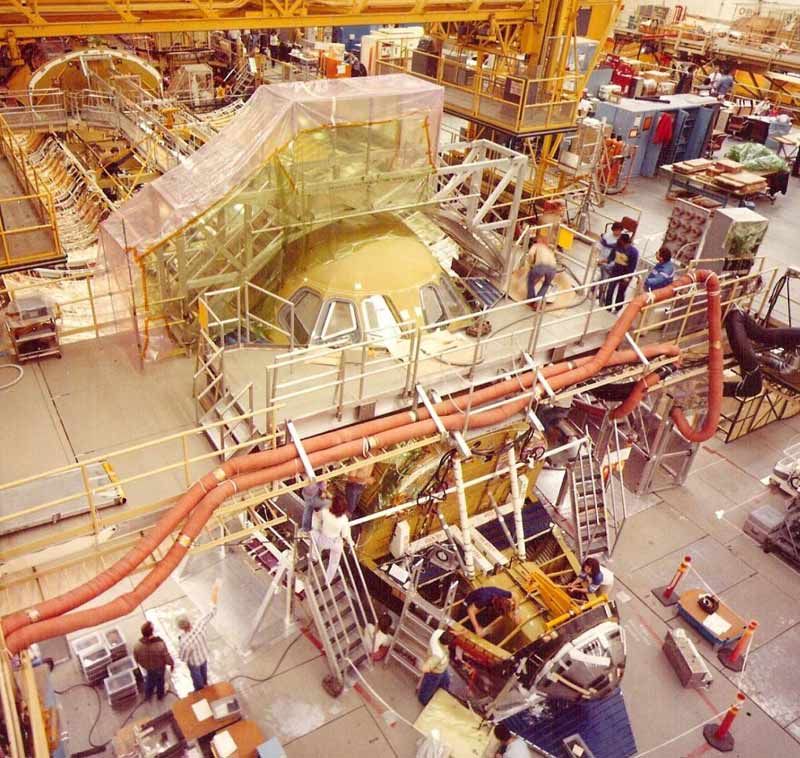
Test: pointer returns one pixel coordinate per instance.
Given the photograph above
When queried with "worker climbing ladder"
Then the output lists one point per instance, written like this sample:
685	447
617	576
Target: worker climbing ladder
340	610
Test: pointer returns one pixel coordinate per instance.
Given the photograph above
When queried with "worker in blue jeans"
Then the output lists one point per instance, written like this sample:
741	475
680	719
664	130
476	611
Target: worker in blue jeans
623	259
315	498
436	668
151	653
543	268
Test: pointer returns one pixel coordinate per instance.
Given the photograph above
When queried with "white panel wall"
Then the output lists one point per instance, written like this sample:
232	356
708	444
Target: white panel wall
726	10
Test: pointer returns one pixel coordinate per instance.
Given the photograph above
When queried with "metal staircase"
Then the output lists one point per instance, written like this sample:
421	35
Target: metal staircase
226	417
240	81
340	610
588	494
592	496
230	424
418	620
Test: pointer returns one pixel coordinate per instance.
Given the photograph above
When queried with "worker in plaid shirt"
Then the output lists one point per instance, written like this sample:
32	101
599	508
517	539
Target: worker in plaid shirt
193	646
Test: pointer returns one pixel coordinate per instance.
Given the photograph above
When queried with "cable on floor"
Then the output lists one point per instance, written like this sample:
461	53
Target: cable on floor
274	670
96	749
20	372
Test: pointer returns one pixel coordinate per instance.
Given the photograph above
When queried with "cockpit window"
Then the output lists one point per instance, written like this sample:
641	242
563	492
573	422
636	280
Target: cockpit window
453	303
339	321
432	307
306	309
379	319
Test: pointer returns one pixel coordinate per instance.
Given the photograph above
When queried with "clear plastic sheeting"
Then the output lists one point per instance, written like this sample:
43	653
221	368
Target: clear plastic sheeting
297	156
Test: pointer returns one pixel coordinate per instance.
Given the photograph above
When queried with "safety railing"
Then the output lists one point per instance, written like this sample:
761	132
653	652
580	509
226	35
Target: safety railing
88	306
25	243
182	456
494	94
336	378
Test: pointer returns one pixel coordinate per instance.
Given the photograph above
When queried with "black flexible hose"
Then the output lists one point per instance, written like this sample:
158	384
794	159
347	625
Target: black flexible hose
742	331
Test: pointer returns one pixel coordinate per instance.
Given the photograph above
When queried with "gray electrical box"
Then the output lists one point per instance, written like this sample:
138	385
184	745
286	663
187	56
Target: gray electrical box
684	658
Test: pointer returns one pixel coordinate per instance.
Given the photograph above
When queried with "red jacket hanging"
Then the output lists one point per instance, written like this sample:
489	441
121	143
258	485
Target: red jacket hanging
663	133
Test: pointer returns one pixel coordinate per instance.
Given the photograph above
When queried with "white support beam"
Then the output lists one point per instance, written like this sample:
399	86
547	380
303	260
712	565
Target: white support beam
301	451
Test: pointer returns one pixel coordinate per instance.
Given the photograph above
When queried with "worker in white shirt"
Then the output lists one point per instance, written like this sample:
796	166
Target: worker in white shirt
594	579
330	528
193	644
511	746
274	47
436	668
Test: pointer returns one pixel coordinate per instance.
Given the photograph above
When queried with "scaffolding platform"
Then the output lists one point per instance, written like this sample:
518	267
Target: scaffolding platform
65	491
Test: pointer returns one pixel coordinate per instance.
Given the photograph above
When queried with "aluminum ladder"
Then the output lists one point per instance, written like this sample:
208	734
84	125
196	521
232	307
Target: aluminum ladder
338	611
588	494
418	620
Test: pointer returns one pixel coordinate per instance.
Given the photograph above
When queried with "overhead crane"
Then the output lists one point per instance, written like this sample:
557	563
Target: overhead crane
56	18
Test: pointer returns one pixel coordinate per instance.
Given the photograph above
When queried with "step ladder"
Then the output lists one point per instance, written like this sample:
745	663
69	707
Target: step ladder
587	487
340	610
418	620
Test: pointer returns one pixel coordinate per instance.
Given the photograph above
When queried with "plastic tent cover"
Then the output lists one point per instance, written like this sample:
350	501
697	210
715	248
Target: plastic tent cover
270	120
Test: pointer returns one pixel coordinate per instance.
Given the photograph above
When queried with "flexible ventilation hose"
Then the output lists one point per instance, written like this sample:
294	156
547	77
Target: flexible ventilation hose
52	617
742	331
715	365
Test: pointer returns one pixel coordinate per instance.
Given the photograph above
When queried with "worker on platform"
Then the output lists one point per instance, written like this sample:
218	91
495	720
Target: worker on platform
499	600
723	85
274	46
315	498
193	644
436	668
623	260
606	244
663	273
330	529
357	481
543	267
511	746
594	578
151	653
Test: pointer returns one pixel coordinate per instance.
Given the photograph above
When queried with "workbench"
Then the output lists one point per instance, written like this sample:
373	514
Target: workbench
193	729
698	183
248	738
698	618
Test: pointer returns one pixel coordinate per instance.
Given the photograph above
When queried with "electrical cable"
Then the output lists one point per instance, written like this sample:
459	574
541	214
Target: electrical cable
274	670
19	376
100	713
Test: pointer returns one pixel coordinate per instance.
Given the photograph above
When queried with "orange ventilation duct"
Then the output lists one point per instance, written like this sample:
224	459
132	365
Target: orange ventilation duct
54	617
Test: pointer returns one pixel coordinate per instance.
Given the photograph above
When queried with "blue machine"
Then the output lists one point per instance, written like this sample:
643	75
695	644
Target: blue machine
636	121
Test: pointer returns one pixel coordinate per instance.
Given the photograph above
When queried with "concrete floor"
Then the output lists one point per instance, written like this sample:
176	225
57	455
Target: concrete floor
96	400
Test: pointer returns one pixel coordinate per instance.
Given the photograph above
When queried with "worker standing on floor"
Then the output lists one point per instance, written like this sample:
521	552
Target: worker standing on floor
436	668
623	264
152	655
511	746
193	645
